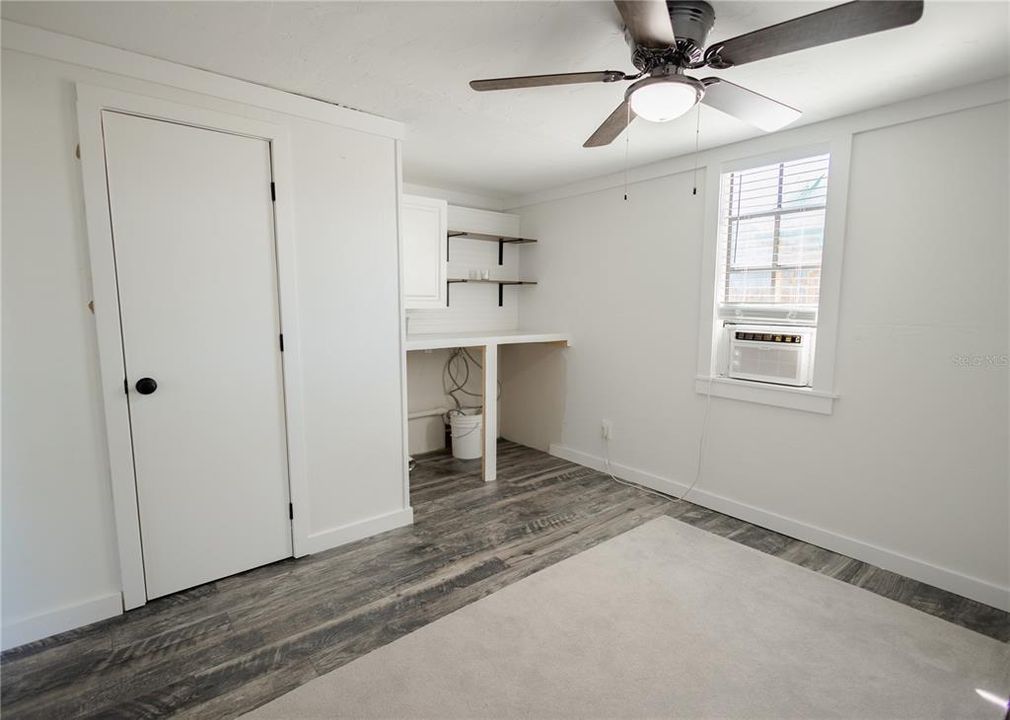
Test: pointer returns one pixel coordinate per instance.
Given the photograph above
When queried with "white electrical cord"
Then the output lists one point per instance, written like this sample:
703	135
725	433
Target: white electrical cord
701	455
701	440
610	474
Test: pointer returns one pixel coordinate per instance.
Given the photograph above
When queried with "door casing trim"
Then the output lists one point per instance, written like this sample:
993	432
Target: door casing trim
91	102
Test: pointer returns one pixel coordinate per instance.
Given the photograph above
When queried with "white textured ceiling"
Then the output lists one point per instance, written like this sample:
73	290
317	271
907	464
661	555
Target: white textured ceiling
411	61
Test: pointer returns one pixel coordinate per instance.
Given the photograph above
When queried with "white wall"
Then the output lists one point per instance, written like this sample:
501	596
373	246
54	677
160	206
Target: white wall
424	393
462	198
350	325
533	387
911	470
60	562
58	529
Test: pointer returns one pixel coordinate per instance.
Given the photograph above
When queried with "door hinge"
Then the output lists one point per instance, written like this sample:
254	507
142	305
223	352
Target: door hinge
291	511
273	192
126	386
281	336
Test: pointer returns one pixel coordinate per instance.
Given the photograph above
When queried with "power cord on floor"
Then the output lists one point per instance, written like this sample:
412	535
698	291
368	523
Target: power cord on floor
701	455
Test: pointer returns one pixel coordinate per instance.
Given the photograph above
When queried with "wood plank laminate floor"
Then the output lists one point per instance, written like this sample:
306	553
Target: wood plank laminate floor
223	648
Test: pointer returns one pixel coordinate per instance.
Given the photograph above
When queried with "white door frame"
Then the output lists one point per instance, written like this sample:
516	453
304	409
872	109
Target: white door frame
91	101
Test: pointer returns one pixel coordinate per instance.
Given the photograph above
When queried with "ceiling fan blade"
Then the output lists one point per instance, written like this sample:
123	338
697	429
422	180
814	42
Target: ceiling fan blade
612	126
749	106
528	81
648	21
841	22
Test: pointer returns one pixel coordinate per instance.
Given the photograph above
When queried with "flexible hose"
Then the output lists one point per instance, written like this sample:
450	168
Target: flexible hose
455	376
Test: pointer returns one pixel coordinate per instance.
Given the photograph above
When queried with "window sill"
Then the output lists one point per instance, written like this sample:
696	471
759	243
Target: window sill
805	399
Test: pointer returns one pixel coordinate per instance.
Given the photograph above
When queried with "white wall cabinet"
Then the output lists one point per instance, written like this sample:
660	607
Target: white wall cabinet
424	227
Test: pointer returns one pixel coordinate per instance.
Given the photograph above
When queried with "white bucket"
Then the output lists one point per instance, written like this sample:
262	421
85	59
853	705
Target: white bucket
466	434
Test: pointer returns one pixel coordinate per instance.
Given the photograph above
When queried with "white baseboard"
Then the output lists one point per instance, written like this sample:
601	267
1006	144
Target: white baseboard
334	537
53	622
66	618
965	585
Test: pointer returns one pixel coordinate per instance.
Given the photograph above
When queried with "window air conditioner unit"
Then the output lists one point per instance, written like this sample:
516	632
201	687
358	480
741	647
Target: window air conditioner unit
771	354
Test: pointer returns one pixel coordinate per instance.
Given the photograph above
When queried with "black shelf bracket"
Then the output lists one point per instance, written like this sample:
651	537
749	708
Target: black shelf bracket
500	283
502	240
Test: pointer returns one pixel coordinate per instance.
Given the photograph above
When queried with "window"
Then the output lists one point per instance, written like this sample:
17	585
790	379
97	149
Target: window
774	240
771	229
771	239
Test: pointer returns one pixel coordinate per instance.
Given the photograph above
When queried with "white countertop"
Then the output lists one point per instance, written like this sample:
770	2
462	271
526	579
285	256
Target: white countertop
434	341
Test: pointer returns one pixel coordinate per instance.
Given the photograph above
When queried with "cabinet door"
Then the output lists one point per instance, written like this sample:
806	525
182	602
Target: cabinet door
423	223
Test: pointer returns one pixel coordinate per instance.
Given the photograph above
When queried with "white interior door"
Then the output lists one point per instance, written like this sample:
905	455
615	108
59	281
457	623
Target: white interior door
192	225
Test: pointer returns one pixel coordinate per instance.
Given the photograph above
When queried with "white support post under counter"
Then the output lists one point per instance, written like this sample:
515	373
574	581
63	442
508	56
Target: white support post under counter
490	363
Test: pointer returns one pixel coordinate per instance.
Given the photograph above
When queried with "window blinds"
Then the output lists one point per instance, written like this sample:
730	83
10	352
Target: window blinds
771	225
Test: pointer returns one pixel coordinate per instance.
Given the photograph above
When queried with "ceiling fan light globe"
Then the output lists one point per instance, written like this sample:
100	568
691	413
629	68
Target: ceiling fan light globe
663	101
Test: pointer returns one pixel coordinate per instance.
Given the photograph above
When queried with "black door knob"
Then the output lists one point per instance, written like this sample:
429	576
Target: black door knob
146	386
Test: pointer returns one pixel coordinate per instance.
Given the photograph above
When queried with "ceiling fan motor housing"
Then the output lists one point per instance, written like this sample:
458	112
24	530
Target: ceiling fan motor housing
691	21
679	78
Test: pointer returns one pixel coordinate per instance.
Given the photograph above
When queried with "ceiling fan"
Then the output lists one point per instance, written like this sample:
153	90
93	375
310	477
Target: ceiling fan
668	38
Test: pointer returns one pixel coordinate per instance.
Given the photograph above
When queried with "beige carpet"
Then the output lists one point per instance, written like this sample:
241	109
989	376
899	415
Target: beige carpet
669	621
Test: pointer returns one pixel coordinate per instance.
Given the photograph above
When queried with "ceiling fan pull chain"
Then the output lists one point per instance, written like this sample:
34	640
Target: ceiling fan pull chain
697	145
627	147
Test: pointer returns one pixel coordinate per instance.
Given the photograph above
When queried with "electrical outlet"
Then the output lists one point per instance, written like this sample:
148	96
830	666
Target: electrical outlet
606	429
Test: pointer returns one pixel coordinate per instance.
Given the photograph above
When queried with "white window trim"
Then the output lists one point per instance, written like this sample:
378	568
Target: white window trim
820	396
